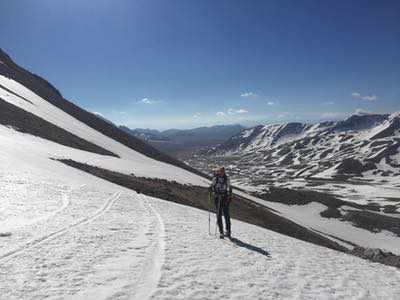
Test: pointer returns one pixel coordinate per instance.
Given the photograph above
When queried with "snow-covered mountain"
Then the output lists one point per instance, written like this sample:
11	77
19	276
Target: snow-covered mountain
81	217
363	145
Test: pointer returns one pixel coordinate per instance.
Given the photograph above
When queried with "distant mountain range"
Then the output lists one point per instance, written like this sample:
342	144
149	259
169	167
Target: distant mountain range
179	141
145	134
365	145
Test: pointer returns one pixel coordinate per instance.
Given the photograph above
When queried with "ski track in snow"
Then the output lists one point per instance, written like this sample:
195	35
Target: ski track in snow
90	259
262	265
152	268
64	204
139	247
52	235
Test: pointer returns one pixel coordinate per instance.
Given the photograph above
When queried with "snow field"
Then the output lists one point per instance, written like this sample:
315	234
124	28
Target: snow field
109	242
101	257
200	266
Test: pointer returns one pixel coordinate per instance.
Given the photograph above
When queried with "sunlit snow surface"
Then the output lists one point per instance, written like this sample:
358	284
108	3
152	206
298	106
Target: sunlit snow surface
76	236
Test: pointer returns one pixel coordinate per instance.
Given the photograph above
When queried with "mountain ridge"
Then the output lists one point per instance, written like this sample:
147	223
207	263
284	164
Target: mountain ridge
368	142
47	91
178	141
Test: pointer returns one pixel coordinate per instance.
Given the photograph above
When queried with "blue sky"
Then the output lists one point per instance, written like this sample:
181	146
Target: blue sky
182	64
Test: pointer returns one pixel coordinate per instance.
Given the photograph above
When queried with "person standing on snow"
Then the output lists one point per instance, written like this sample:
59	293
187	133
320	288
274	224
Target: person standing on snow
221	187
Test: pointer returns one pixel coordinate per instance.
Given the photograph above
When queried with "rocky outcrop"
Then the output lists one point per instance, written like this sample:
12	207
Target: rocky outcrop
350	166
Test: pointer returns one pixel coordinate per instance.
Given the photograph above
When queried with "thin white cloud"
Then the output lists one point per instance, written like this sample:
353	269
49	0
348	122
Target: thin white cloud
249	95
221	114
370	98
328	103
270	103
358	96
148	101
240	111
196	115
361	111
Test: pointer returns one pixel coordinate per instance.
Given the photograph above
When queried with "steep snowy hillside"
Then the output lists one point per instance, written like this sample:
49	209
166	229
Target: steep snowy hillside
123	152
48	93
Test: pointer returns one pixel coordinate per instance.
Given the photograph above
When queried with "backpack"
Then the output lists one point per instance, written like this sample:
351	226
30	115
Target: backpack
221	184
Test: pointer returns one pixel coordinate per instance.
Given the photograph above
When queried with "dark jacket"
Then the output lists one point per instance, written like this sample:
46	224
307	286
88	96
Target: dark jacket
221	185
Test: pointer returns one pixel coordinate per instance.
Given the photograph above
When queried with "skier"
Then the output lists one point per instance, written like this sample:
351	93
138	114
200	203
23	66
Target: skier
221	187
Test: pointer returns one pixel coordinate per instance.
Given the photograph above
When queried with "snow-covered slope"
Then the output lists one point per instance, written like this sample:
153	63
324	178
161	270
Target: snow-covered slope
71	235
49	93
129	161
362	147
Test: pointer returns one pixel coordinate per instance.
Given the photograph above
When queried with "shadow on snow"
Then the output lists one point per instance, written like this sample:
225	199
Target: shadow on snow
250	247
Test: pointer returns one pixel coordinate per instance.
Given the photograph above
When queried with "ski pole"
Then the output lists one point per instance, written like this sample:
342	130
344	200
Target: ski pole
219	210
209	212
